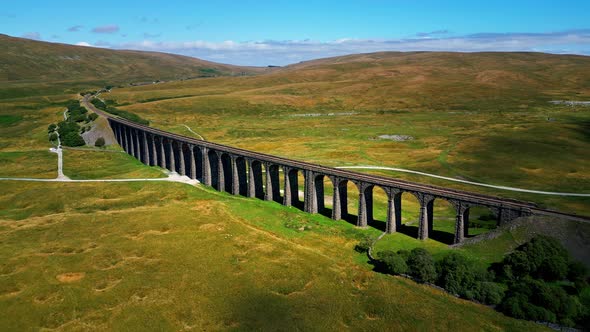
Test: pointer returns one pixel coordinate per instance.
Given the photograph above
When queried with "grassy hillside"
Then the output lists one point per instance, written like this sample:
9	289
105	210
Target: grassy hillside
24	59
137	256
484	117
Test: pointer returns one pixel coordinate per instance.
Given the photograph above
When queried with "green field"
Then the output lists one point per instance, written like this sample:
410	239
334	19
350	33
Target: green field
169	256
492	131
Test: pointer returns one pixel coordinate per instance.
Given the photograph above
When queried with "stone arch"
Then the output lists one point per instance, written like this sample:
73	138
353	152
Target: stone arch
442	220
339	198
175	161
153	150
365	207
272	186
410	213
379	207
170	153
161	151
255	179
480	219
321	186
292	177
187	159
199	169
213	168
240	171
226	166
138	145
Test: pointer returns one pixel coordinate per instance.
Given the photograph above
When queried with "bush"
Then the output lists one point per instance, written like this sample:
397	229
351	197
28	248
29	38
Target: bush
51	128
92	116
99	142
536	300
364	245
421	265
72	139
393	263
577	272
489	292
455	274
53	136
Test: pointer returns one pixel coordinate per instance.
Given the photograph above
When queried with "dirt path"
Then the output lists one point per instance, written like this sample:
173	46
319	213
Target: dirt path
467	182
60	158
172	177
189	129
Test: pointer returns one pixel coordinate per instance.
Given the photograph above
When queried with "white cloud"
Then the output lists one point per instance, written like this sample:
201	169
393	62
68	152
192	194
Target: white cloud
32	35
106	29
283	52
75	28
83	43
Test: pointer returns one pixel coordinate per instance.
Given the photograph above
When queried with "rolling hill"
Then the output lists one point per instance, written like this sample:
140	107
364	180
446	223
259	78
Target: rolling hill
24	59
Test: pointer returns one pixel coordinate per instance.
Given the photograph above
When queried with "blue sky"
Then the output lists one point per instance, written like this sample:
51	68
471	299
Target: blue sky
282	32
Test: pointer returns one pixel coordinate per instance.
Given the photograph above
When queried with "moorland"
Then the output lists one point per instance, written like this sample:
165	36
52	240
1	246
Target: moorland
171	256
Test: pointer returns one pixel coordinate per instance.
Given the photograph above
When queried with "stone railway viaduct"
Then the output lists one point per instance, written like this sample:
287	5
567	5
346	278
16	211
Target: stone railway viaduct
240	172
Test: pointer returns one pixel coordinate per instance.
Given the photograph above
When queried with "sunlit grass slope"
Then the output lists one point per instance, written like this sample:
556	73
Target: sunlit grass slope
26	59
167	256
484	117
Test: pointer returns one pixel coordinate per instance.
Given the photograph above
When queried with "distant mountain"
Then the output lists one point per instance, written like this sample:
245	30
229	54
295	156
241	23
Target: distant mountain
24	59
435	80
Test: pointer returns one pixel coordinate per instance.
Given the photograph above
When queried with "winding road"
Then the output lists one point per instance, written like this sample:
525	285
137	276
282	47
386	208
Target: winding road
465	181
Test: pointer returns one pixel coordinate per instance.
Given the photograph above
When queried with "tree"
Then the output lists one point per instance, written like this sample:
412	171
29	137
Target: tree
489	292
421	265
455	274
577	273
516	265
99	142
53	136
51	128
92	116
72	139
553	268
393	263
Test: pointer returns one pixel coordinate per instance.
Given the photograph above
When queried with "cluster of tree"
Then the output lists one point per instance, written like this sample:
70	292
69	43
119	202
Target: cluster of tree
76	113
51	132
538	281
110	108
69	132
544	284
69	129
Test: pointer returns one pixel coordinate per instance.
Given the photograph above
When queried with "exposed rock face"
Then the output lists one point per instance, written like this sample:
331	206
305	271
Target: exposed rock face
397	138
100	128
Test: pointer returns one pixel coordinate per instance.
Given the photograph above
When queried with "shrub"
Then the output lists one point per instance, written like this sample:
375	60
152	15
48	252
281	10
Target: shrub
576	271
51	128
539	301
421	265
92	116
516	265
364	244
72	139
553	268
455	274
489	292
53	136
393	263
99	142
404	253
